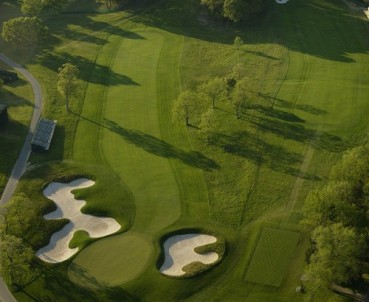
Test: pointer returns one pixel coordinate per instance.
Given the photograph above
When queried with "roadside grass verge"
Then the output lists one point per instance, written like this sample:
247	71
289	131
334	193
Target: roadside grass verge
18	96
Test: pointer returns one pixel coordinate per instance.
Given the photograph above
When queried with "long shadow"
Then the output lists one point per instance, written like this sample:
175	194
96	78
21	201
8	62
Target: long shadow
251	147
90	71
279	114
297	132
275	101
326	29
57	281
161	148
12	100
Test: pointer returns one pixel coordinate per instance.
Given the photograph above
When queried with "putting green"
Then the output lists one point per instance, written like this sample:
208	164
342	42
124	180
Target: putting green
111	261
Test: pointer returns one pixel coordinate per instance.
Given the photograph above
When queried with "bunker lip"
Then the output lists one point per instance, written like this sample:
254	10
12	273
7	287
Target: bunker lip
68	207
179	251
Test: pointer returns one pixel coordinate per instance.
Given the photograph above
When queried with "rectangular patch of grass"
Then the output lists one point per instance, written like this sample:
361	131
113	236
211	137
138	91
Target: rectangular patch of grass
272	256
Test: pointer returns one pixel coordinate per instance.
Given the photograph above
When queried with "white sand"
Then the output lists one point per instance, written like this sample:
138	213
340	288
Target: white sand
179	252
281	1
68	207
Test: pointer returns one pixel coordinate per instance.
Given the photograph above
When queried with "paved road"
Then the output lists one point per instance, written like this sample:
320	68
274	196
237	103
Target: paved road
20	164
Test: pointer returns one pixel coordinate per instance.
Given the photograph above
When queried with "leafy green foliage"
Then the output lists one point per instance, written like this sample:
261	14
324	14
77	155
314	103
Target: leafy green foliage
16	261
67	81
233	10
24	32
215	90
38	7
185	105
338	212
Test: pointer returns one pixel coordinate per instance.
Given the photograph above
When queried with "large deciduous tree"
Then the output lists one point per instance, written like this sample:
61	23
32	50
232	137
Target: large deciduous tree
336	258
67	81
16	261
24	32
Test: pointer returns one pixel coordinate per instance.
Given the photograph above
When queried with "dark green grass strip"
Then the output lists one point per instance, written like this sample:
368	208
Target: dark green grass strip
272	256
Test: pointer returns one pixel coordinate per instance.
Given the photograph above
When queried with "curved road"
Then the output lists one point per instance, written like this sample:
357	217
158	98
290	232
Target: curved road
20	164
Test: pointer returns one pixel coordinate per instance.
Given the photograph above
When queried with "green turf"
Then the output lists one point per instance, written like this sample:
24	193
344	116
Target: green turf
116	255
307	69
272	256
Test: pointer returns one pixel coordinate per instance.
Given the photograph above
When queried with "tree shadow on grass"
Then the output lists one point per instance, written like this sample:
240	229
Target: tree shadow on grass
260	152
279	114
297	132
161	148
274	101
58	283
12	100
90	71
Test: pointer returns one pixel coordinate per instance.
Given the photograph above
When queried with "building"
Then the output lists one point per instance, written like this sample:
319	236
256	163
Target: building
43	135
3	114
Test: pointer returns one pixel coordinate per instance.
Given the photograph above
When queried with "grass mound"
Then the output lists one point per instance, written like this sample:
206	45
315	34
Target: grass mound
115	202
272	256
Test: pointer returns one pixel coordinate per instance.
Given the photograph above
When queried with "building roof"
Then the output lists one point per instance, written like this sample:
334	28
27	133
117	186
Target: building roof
43	133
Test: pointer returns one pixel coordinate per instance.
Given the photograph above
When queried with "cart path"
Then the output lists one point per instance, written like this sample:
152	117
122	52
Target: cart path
20	164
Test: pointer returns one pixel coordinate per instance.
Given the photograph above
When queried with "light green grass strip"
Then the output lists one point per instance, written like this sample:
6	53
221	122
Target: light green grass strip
272	256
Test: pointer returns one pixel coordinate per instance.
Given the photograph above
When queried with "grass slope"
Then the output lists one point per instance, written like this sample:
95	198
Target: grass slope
307	68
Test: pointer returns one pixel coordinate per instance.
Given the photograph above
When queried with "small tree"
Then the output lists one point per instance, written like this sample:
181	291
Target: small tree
238	71
238	42
185	105
208	120
239	96
215	90
67	81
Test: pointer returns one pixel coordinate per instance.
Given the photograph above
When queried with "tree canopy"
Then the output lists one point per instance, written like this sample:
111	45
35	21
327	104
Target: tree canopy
233	10
338	213
67	81
24	32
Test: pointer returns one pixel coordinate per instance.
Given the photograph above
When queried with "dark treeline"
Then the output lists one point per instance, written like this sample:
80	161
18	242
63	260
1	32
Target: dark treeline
234	10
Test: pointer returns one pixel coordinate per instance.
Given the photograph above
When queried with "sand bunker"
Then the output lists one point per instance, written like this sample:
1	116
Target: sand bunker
281	1
68	207
179	252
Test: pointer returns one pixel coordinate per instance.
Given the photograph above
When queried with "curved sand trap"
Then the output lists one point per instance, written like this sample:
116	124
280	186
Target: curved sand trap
68	207
281	1
179	252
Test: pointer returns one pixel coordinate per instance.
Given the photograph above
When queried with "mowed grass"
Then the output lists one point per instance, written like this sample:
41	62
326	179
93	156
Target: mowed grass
272	256
18	96
131	72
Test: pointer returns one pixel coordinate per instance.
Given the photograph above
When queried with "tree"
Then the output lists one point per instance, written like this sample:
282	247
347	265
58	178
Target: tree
185	105
234	10
337	256
16	261
215	90
208	120
67	81
24	32
32	7
238	71
238	42
239	96
38	7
